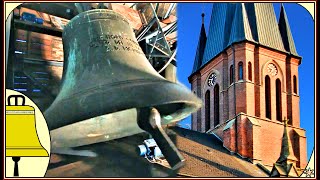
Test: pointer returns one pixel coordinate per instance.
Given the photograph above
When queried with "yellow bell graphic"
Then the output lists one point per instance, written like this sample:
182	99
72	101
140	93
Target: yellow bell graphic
21	134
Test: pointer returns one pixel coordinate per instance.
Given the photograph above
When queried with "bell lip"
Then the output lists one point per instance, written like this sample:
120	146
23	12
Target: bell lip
168	93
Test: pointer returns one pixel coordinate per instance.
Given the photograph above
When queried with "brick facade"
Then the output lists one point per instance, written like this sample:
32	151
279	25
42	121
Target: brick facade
251	134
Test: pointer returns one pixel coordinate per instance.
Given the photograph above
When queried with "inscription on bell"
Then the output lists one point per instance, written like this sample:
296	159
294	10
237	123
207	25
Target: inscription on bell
113	42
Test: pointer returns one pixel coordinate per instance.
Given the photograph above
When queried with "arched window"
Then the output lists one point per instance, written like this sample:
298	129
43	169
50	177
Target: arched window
240	71
268	97
295	89
249	71
231	74
207	111
216	105
278	100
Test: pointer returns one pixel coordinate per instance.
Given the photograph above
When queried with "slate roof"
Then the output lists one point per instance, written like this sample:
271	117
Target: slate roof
218	32
240	28
204	154
255	22
200	48
285	32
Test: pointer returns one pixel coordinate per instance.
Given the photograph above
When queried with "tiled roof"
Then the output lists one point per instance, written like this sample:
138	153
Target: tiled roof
256	22
204	155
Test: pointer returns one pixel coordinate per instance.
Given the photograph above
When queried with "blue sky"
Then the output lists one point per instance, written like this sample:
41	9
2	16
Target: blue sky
302	28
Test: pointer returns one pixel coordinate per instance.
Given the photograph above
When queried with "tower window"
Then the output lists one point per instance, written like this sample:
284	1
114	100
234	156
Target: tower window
216	105
268	97
240	70
278	100
295	89
249	71
231	74
207	111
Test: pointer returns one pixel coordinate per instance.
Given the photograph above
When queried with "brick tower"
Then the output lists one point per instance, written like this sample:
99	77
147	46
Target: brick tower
246	73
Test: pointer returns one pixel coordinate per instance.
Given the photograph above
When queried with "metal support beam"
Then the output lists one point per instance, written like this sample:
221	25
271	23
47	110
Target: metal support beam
160	29
169	61
140	37
165	30
153	45
172	6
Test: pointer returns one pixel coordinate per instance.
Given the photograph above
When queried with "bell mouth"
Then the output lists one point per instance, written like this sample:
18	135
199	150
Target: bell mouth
98	129
173	101
110	126
174	112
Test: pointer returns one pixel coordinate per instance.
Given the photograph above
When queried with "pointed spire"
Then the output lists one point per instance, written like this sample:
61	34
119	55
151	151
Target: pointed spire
286	154
215	42
201	46
202	15
263	17
254	22
235	22
240	28
285	32
285	166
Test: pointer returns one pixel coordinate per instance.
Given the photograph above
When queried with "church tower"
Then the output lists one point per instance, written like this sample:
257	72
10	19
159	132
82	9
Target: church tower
246	73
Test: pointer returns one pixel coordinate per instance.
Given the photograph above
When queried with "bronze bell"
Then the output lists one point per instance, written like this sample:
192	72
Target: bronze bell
107	78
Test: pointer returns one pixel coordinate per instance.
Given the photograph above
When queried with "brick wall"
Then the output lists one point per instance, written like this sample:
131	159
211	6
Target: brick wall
258	137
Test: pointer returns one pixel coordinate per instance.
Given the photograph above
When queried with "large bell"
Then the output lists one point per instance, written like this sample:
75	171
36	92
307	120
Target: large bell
105	71
106	80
